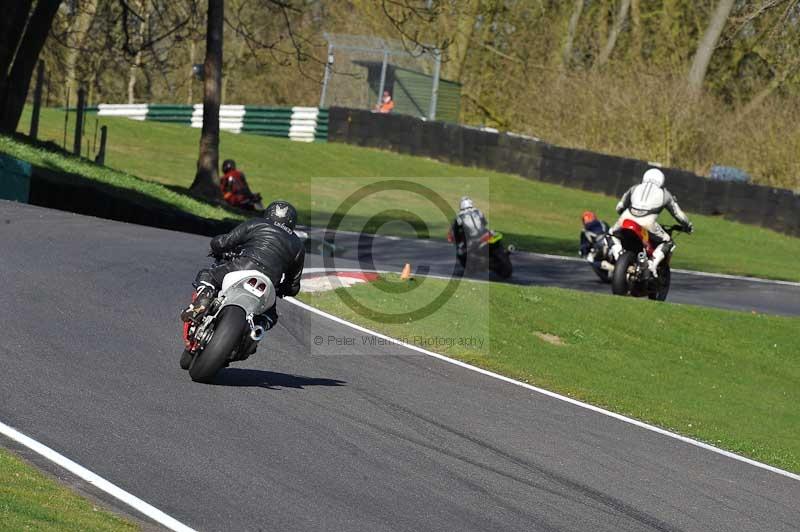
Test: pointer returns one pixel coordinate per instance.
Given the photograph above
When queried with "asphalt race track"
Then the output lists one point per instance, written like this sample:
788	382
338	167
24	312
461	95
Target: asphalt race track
389	253
379	439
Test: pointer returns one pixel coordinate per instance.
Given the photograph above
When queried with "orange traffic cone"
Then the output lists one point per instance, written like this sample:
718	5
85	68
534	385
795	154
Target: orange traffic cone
405	275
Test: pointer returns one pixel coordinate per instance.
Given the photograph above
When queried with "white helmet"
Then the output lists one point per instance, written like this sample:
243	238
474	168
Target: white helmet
466	203
654	176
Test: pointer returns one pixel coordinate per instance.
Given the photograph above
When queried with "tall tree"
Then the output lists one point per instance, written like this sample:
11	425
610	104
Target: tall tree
15	88
205	180
11	28
79	32
136	64
572	29
616	29
708	43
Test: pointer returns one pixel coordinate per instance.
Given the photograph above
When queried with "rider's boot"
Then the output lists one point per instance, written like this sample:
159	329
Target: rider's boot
658	256
615	251
200	301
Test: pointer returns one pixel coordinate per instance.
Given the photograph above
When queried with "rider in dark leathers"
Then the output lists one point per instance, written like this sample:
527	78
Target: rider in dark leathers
267	244
594	231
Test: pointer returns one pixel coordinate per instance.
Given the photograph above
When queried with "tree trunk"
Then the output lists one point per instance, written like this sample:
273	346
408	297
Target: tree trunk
616	29
636	19
192	47
11	28
764	93
80	30
15	89
205	181
137	60
708	43
566	51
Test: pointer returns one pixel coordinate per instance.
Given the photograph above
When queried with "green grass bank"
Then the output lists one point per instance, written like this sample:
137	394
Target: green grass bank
29	500
536	216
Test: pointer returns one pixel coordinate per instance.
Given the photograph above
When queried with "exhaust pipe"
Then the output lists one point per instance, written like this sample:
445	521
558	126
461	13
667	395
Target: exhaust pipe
257	333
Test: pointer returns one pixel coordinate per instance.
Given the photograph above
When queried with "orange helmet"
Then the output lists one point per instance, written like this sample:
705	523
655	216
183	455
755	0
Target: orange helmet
588	216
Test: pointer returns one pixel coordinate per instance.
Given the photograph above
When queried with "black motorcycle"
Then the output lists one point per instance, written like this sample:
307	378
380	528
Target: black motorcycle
595	252
487	252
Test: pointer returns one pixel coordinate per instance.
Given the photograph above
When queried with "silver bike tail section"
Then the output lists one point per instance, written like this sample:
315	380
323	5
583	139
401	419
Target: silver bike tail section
249	289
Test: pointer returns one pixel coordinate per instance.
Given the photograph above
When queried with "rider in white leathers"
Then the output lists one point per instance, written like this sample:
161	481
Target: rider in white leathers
642	204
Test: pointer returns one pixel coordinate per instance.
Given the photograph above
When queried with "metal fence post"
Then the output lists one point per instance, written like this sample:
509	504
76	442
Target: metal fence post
37	101
435	92
101	154
79	122
328	67
66	121
383	75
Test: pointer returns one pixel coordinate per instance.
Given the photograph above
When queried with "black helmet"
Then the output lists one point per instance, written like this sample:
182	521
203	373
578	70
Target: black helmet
281	212
228	165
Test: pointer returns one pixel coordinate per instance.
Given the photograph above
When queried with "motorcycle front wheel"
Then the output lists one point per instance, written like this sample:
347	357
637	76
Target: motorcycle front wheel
229	326
620	284
661	284
604	275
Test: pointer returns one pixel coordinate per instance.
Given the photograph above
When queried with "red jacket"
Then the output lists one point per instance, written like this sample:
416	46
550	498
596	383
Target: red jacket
234	187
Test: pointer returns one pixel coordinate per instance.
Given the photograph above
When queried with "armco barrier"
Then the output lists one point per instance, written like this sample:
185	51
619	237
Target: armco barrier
305	124
531	158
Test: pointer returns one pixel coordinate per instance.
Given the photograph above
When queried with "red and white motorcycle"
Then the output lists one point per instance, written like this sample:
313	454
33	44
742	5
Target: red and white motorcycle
631	274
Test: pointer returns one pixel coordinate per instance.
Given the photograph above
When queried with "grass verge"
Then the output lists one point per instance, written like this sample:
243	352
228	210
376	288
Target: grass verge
31	501
727	378
108	176
536	216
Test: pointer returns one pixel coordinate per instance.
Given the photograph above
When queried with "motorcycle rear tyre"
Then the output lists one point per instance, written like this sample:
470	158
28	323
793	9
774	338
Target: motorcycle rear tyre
186	359
227	336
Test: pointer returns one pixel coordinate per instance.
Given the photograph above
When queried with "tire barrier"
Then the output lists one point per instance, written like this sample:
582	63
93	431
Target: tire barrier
305	124
529	157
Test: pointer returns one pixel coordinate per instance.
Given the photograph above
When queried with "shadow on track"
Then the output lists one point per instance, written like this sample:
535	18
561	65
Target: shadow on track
269	379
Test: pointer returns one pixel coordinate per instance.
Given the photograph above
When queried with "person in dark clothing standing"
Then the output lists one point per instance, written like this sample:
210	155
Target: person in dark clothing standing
267	244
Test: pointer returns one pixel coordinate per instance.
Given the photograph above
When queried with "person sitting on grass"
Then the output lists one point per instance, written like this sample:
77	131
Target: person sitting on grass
235	190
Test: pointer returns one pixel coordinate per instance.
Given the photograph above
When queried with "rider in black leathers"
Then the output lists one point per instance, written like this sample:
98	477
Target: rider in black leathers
267	244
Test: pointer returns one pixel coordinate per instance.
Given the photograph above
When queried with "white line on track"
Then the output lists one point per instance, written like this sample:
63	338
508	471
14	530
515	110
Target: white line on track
548	393
92	478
